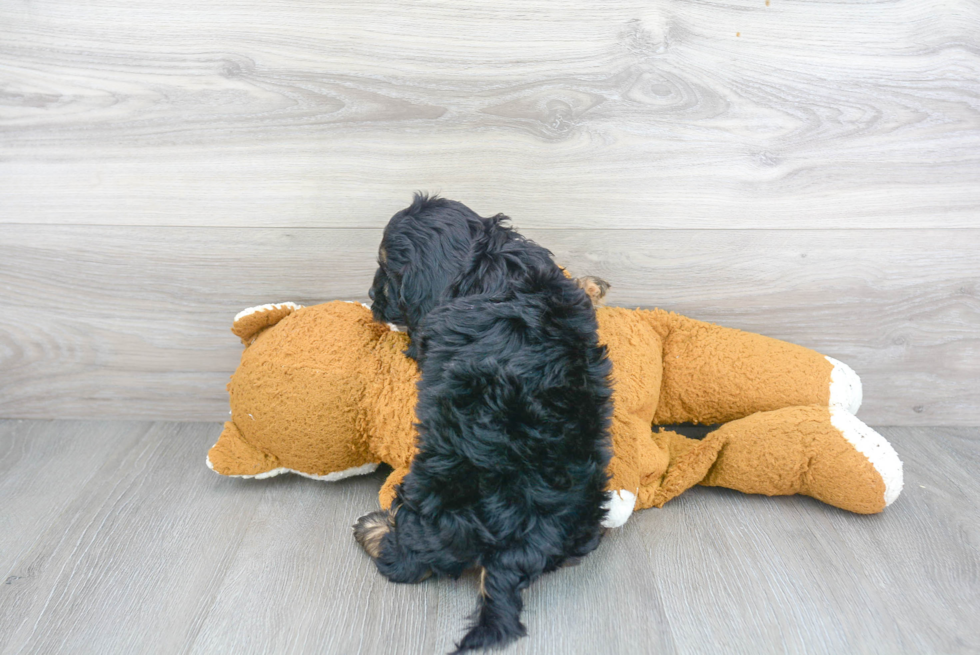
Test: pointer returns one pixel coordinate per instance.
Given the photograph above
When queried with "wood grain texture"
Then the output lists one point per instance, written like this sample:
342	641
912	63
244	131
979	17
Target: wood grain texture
138	547
146	533
41	468
134	322
808	170
679	114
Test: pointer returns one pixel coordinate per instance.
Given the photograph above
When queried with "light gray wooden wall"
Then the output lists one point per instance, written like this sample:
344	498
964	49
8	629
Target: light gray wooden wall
808	170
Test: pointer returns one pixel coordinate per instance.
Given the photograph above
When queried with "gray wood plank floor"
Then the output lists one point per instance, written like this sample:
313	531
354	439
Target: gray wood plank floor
115	538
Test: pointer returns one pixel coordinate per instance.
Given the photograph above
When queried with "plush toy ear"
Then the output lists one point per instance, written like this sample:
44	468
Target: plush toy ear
249	322
233	456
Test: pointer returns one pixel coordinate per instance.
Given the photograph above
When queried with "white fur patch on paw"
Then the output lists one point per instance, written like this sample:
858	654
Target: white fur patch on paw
845	387
873	446
618	508
266	308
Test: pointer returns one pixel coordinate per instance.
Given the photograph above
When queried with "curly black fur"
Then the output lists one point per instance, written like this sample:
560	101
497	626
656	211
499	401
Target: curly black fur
513	410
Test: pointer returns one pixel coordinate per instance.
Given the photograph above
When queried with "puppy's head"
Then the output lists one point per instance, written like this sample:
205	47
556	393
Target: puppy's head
423	249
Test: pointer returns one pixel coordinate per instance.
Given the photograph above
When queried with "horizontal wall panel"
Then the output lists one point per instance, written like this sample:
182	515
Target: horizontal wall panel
134	322
562	114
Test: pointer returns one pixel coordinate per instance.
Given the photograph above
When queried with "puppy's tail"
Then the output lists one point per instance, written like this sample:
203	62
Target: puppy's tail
498	621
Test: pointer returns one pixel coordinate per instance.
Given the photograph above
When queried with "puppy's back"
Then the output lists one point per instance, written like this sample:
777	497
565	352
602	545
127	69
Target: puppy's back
513	411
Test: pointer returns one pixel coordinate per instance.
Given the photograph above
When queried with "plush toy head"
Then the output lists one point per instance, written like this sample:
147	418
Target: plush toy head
314	395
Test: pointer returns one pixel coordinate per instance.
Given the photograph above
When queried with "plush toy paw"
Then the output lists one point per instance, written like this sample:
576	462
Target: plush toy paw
618	508
875	447
845	387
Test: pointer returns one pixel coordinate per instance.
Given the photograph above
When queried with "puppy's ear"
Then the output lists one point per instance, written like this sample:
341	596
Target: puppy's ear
487	271
421	287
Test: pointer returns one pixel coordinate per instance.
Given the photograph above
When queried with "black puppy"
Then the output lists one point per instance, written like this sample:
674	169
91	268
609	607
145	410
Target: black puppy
513	411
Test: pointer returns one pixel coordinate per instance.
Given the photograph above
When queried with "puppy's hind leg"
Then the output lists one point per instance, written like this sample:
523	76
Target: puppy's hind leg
595	288
371	528
377	534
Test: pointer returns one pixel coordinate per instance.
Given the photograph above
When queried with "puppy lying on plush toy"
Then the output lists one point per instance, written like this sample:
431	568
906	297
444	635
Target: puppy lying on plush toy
514	404
326	392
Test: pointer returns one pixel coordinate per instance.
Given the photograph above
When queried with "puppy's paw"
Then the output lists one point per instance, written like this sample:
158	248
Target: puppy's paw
595	288
370	529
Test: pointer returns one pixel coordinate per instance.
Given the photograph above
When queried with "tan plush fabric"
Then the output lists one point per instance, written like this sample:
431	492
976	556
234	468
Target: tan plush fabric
794	450
325	389
634	346
248	326
233	455
309	405
714	374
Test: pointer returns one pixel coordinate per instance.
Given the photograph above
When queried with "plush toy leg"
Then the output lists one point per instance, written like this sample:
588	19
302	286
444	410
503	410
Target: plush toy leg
387	494
637	457
815	451
232	455
714	374
827	454
689	461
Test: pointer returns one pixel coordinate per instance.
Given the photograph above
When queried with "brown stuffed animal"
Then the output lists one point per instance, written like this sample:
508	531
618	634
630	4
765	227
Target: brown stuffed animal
326	392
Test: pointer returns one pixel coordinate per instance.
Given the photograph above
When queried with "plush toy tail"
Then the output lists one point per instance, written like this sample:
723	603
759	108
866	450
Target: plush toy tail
498	620
249	322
